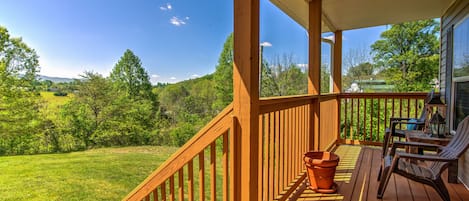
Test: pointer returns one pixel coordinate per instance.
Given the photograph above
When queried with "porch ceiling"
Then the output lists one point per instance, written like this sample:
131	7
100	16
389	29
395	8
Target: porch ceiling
354	14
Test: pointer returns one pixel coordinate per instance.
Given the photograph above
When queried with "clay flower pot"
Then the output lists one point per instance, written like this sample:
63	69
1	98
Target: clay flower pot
321	168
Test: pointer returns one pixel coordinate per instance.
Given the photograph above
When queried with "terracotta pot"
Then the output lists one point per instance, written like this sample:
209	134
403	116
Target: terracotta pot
321	168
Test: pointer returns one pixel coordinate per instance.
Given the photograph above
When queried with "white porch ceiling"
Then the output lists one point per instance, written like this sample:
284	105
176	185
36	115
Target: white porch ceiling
354	14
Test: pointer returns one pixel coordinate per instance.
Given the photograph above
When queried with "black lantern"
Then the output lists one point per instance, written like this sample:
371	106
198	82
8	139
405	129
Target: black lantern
437	125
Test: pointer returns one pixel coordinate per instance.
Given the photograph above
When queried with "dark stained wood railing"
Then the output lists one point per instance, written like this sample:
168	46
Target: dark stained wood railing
364	116
175	178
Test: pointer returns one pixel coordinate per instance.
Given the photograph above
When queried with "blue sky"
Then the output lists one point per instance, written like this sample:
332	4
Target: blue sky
175	40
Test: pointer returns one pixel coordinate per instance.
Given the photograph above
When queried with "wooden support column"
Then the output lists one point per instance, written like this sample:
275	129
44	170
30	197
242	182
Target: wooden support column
337	76
337	62
246	101
314	70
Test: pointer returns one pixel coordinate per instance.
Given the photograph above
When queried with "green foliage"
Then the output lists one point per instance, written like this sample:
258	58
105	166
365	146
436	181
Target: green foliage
130	77
19	98
223	76
282	78
182	134
408	54
60	93
325	79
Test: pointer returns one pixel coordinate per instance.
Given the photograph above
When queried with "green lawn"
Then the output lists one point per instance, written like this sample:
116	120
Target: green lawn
99	174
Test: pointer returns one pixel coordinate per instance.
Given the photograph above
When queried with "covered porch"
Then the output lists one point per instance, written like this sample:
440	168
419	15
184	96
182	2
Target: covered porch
253	149
356	177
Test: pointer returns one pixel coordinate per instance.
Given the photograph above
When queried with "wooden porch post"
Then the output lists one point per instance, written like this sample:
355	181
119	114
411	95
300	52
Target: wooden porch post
337	62
314	70
246	100
337	76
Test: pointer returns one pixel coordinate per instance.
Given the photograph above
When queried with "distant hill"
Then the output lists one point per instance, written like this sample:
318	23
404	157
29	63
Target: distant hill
55	79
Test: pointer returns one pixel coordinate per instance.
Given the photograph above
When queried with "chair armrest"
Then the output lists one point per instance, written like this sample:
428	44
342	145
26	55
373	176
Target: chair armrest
395	123
399	119
397	144
424	157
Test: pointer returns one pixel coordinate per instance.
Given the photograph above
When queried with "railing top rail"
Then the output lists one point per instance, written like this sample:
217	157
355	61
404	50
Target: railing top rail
385	95
214	129
285	99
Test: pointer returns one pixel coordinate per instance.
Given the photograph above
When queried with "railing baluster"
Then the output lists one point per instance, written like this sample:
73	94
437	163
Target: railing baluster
345	117
271	154
181	184
171	188
351	119
277	153
364	120
155	194
371	120
379	119
408	107
225	166
261	157
201	176
282	150
190	177
213	171
265	151
288	145
163	191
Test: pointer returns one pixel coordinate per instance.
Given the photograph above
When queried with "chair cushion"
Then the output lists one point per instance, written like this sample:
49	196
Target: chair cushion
411	126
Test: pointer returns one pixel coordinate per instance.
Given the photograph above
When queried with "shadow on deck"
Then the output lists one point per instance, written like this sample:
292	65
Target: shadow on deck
356	177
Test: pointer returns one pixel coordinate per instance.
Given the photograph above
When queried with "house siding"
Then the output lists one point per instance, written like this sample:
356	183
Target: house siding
457	12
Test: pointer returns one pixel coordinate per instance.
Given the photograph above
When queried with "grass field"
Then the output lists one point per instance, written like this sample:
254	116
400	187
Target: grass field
53	103
98	174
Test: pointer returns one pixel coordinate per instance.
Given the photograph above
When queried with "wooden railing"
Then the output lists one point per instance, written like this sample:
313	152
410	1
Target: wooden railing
364	116
284	127
286	132
175	178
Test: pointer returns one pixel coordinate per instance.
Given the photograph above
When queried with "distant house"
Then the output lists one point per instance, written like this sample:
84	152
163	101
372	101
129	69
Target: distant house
370	86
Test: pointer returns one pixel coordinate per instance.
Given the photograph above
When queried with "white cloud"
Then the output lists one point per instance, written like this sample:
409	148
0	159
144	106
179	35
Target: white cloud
178	22
172	78
195	76
166	7
266	44
155	79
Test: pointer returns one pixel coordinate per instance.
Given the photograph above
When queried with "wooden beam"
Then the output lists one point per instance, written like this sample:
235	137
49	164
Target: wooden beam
314	70
314	33
337	76
246	99
337	62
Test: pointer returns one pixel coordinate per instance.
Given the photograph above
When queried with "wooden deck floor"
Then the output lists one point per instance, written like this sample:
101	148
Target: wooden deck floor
356	177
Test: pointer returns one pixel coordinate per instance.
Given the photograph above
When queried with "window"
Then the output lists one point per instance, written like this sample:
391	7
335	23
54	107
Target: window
460	92
461	49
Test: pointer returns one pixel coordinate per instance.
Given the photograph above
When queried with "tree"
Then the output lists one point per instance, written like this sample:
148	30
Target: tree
19	98
130	77
223	76
288	77
408	54
85	114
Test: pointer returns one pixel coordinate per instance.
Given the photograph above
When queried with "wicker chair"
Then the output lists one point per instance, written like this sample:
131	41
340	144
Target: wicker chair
430	172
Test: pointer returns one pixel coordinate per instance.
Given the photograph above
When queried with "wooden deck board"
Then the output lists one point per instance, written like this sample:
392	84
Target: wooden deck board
356	178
